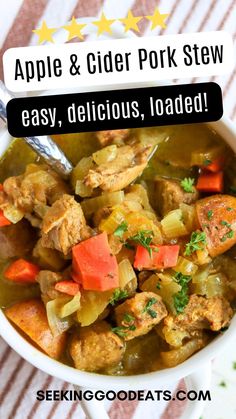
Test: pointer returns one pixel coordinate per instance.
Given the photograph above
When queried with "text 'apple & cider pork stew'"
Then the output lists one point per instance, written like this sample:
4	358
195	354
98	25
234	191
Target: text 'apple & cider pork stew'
130	265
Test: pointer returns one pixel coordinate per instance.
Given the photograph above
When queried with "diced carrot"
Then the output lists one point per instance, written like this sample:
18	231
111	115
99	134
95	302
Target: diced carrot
3	220
93	261
21	271
30	316
162	257
68	287
1	187
210	182
216	165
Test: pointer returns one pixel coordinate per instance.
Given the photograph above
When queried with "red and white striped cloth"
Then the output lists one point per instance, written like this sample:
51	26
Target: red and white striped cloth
19	381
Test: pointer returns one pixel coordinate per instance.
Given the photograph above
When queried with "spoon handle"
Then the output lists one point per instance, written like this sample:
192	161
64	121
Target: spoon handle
43	145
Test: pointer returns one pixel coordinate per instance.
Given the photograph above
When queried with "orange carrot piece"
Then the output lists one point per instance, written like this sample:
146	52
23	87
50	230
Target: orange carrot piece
162	257
3	220
93	261
22	271
216	165
210	182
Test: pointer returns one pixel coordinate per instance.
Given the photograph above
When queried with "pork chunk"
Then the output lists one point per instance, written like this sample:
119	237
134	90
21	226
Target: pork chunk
202	313
169	195
64	225
108	137
120	172
96	347
38	186
47	281
139	314
16	240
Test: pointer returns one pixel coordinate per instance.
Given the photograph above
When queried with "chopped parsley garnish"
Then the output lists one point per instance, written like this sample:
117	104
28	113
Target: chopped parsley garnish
132	327
229	209
121	229
158	286
222	384
229	234
181	298
144	238
187	184
209	214
148	309
122	330
118	295
207	162
129	246
197	242
225	223
234	365
128	317
224	238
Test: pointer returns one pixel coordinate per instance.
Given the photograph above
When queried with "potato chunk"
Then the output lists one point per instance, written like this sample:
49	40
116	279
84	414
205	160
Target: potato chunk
179	355
30	316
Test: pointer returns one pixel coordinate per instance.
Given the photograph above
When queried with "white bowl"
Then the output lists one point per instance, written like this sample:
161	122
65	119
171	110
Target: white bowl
195	370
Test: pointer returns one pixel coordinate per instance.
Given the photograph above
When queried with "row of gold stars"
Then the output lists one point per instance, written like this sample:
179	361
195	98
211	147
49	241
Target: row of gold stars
103	25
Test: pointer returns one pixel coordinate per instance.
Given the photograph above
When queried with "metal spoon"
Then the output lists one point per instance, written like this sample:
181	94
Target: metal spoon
43	145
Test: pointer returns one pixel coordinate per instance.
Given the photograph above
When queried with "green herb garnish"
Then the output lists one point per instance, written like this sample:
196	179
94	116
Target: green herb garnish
187	184
224	238
225	223
132	327
144	238
121	229
209	214
158	286
181	298
128	317
118	295
148	309
207	162
229	209
222	384
229	234
120	331
197	242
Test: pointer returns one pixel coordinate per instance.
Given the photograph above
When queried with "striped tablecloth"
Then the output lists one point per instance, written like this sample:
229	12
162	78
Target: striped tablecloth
19	381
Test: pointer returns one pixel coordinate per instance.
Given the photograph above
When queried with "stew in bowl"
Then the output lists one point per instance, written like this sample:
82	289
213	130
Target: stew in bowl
128	266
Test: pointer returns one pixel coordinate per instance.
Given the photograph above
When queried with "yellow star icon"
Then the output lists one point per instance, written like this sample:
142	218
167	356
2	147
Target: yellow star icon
44	33
103	24
131	21
157	19
74	29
